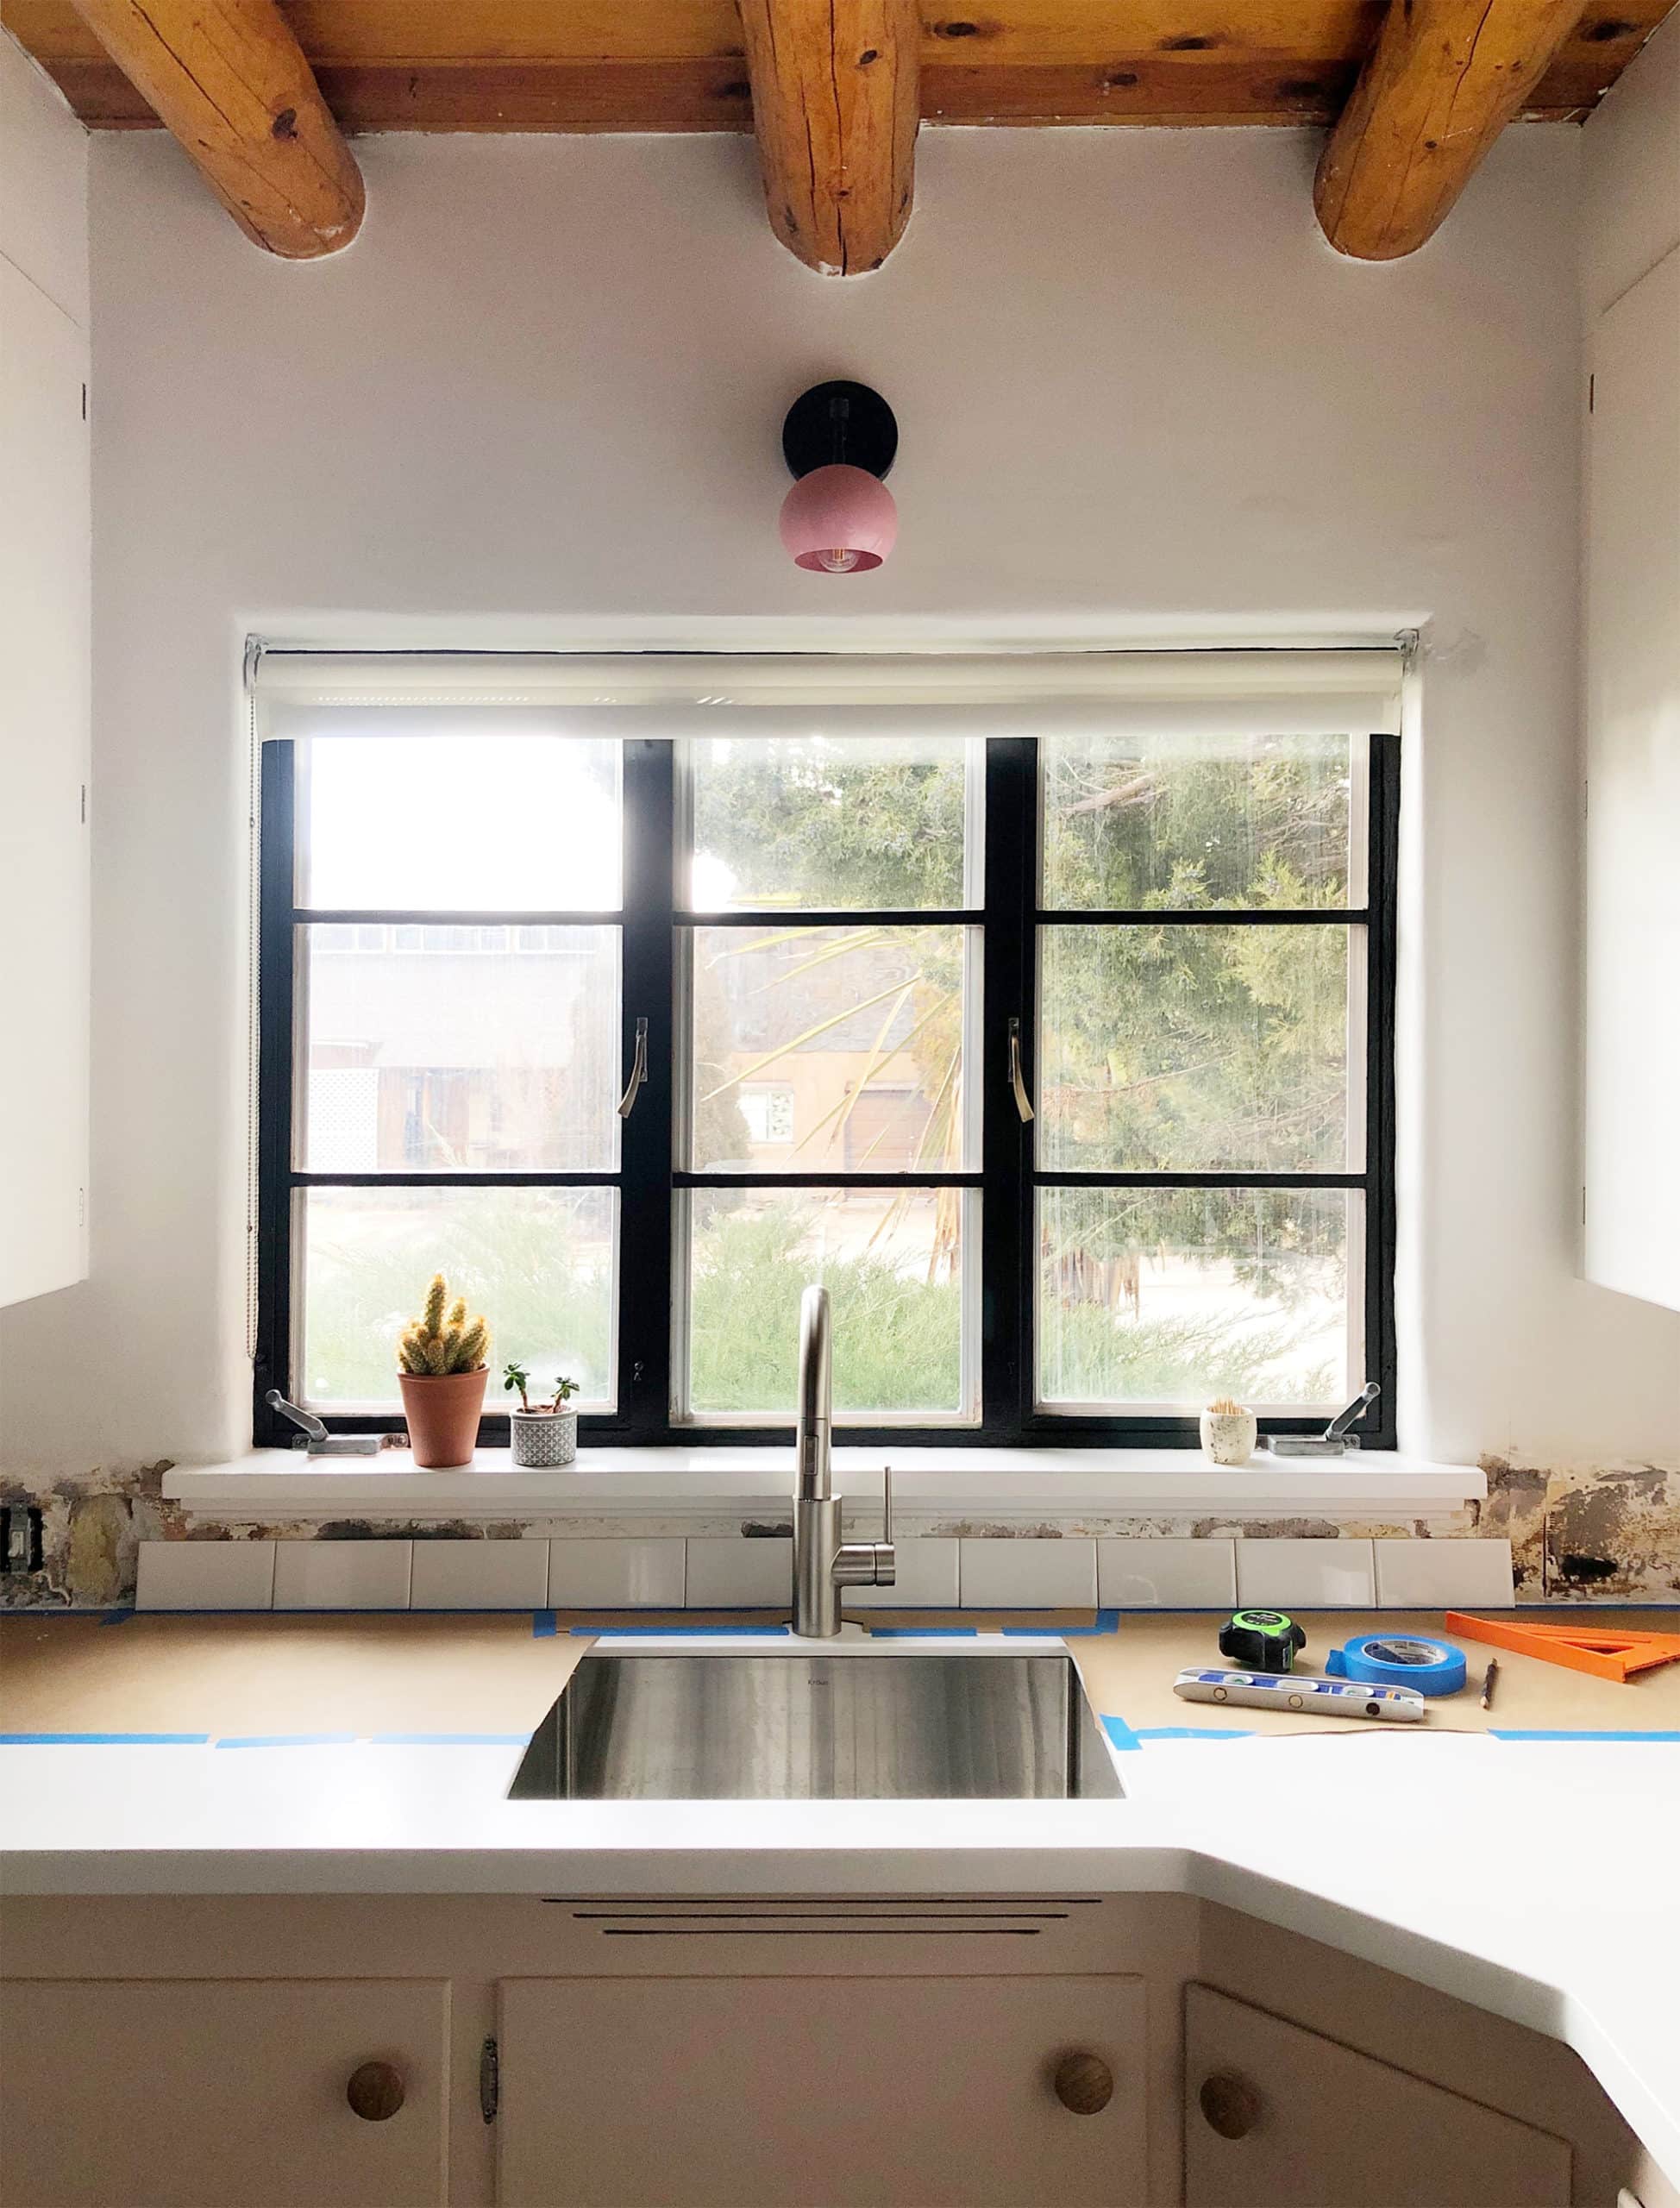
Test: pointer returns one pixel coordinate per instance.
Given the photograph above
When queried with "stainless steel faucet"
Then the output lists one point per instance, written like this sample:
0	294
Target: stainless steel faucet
822	1563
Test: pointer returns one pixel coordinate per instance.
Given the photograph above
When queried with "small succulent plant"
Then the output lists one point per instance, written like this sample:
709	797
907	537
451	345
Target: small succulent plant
442	1339
517	1376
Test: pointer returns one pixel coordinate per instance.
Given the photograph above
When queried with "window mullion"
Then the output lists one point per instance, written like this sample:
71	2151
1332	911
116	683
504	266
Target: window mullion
1012	896
645	1223
1381	1230
276	952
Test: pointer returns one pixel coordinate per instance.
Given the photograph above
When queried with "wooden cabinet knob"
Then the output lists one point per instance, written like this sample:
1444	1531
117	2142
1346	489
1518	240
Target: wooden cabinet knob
1084	2083
1230	2103
375	2091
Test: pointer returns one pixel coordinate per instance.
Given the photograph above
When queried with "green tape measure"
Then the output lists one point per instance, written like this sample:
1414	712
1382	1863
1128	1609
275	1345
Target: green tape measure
1261	1641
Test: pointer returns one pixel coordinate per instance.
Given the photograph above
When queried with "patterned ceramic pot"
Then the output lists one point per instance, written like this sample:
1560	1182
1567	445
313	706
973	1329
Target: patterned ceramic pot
1228	1437
541	1439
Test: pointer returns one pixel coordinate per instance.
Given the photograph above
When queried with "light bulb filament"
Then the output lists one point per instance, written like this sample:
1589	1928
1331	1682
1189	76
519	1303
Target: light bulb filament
840	561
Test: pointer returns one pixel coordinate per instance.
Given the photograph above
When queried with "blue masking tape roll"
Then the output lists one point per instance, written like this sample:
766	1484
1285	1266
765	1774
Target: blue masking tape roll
1400	1659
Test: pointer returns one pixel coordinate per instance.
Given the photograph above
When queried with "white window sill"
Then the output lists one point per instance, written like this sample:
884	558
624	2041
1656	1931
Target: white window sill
993	1485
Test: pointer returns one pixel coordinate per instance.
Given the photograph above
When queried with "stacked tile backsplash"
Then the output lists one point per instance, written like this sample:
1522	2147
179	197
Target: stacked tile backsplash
719	1573
1577	1533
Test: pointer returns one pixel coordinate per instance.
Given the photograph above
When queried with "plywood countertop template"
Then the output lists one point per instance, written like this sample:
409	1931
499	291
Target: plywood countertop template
370	1677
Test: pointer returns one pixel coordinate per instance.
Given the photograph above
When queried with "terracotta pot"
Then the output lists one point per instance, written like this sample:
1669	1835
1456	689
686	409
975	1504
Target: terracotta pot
443	1412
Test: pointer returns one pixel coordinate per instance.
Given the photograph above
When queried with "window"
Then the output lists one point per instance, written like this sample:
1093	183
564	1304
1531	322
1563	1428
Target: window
848	922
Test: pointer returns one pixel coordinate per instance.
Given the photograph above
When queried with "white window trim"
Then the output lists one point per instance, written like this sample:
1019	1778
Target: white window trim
676	1484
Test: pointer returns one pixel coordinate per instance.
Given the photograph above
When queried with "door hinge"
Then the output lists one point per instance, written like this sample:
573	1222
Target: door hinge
84	805
490	2081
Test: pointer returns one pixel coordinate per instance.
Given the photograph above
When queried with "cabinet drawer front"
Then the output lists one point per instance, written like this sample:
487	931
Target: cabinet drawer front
210	2093
857	2093
1322	2126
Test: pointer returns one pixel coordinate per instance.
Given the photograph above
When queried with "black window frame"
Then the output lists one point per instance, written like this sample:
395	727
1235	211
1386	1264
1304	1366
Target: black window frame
1009	917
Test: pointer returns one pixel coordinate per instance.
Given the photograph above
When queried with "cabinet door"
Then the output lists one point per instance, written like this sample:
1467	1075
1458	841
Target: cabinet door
1631	1049
211	2094
1320	2126
43	773
856	2092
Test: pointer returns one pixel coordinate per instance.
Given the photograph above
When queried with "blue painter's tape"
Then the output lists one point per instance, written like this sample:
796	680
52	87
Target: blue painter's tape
1108	1622
449	1739
542	1625
1120	1734
291	1741
686	1632
926	1633
1194	1733
104	1740
1499	1733
117	1617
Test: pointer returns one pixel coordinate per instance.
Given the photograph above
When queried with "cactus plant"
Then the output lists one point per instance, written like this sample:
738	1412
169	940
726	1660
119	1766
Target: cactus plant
442	1339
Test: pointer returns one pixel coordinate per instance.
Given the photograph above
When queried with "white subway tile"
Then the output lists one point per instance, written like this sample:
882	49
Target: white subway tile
204	1576
732	1571
342	1575
1029	1575
1167	1575
478	1575
1325	1575
1443	1575
616	1575
927	1579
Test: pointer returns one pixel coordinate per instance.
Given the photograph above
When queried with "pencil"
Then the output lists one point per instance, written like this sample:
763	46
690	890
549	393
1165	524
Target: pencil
1488	1679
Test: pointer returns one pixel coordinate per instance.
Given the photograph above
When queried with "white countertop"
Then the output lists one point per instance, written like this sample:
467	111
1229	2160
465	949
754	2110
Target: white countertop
1532	1879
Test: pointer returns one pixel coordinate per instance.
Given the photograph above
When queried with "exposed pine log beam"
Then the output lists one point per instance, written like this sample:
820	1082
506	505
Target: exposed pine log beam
1443	80
836	98
231	81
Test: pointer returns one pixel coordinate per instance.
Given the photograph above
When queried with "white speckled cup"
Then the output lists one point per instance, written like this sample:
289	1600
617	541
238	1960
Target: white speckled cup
1228	1437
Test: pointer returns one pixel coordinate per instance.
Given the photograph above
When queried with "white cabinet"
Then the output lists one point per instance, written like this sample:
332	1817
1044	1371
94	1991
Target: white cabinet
43	775
205	2093
1633	833
1276	2114
856	2092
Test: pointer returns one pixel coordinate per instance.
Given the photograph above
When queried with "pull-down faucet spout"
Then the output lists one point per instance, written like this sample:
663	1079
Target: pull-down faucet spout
822	1563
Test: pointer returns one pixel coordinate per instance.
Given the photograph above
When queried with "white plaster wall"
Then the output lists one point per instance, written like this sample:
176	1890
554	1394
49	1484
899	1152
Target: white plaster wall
537	402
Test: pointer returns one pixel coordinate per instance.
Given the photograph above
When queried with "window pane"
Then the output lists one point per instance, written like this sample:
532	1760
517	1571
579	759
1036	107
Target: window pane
830	824
893	1264
820	1049
539	1263
478	1056
1172	1297
468	823
1134	822
1195	1050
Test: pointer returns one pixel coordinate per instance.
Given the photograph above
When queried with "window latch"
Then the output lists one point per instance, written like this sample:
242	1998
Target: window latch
638	1072
1022	1101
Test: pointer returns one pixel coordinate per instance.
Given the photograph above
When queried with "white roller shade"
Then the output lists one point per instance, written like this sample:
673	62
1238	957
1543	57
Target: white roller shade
675	695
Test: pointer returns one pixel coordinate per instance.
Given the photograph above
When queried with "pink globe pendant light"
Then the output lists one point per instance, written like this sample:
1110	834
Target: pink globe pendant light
838	440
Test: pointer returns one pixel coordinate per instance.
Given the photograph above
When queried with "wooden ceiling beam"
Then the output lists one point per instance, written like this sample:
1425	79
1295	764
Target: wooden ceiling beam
1443	80
835	103
231	81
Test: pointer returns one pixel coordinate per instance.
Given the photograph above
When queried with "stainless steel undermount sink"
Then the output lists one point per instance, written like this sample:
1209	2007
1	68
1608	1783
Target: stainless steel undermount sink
635	1725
